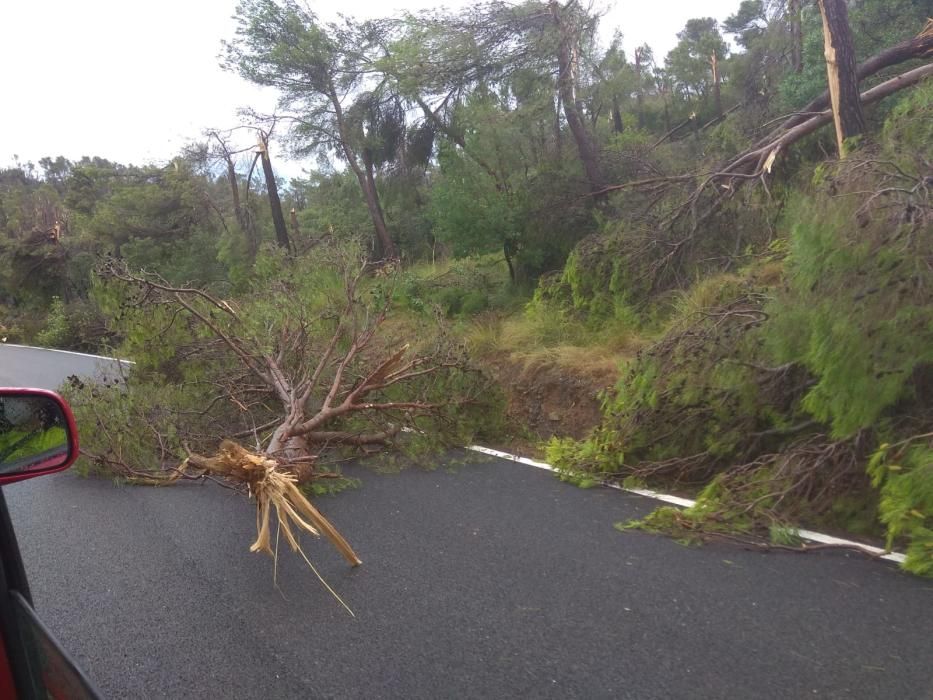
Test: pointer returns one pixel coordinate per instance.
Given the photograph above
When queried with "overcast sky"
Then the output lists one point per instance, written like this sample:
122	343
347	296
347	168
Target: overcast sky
133	80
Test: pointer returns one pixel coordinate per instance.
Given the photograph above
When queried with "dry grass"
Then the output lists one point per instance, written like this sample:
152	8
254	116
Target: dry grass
566	345
595	362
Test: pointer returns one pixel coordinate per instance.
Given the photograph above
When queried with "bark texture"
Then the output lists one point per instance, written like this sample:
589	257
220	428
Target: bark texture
841	72
272	191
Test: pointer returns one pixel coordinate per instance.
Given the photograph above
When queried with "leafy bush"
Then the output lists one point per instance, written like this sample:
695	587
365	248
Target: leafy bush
858	313
57	331
692	399
462	287
77	325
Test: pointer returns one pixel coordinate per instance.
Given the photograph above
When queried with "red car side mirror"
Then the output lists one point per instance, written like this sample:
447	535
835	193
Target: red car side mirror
38	434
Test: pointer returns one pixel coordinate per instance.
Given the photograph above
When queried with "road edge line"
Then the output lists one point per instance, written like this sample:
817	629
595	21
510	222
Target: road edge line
809	535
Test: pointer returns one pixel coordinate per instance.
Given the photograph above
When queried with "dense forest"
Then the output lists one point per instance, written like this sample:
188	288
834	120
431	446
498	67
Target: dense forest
710	271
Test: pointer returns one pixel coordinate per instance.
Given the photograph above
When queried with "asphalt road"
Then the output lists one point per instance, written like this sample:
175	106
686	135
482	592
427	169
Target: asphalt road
487	579
44	368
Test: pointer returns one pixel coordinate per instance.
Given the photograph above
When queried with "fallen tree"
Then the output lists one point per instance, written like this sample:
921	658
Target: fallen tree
300	366
919	47
793	389
322	369
759	160
677	206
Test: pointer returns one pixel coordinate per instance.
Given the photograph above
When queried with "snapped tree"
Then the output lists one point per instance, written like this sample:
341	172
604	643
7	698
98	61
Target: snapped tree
319	70
841	70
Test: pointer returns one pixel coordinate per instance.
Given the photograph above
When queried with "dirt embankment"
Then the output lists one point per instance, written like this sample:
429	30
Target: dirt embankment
547	398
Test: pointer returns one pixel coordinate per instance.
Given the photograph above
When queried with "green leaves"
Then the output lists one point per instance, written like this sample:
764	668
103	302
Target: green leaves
904	473
858	315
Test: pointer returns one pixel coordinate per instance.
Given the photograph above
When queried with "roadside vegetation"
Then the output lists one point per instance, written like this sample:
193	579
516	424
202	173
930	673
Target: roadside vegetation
702	272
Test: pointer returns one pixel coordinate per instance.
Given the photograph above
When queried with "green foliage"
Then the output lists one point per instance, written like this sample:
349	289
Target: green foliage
784	535
909	129
77	325
576	460
772	384
57	329
333	483
334	207
460	288
468	211
872	265
723	508
876	25
904	474
596	282
142	424
504	186
695	387
688	63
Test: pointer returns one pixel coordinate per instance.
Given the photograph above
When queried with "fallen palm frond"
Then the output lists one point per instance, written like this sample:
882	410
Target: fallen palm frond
276	490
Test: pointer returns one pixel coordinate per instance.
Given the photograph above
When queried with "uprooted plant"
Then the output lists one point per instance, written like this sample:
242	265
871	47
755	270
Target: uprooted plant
302	365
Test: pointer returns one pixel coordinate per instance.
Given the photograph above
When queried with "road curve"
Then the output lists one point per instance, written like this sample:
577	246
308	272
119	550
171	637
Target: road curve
481	578
47	368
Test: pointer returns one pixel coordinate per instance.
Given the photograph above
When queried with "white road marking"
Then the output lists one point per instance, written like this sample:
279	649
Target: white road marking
809	535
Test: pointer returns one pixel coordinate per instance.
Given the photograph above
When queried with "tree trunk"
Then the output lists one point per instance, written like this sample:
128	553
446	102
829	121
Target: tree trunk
842	72
385	246
234	190
566	82
717	92
293	217
272	190
919	47
558	133
639	88
796	34
754	161
386	249
507	253
617	125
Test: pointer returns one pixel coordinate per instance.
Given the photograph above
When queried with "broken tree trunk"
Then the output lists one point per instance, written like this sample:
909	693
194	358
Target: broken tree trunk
717	89
841	71
293	217
759	160
921	46
671	132
272	191
618	126
276	489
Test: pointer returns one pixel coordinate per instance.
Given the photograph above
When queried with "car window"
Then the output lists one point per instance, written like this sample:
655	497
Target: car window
49	666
